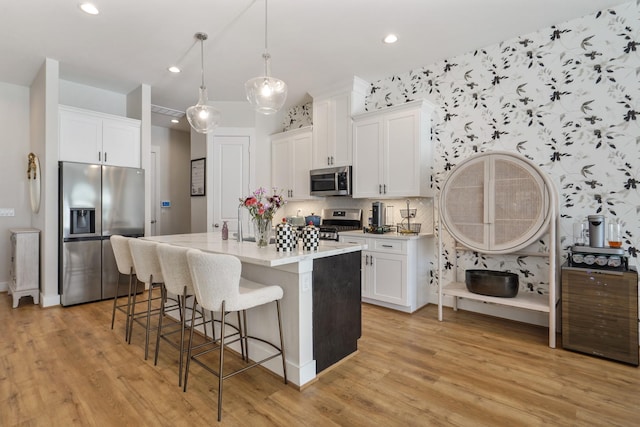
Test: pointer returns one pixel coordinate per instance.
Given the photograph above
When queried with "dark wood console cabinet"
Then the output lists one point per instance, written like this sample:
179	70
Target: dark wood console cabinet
600	313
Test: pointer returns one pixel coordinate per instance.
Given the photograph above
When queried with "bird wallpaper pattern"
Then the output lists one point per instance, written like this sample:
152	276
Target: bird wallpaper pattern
565	97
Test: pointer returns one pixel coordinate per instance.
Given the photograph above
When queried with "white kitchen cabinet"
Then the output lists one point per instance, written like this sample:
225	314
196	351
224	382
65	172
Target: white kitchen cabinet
392	153
92	137
332	123
395	269
291	162
24	269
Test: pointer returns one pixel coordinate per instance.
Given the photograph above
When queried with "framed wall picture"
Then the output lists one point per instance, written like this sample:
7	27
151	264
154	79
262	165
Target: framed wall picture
198	174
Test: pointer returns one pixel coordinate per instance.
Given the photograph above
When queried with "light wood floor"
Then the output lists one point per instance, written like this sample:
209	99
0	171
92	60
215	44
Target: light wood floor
65	366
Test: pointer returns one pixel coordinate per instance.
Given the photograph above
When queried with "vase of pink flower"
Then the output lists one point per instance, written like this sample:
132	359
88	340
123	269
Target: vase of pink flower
262	208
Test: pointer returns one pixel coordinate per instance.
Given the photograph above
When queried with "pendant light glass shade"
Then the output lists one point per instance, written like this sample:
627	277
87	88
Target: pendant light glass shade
265	93
203	118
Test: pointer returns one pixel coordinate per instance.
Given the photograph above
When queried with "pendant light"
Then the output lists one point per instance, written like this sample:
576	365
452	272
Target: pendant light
203	118
266	94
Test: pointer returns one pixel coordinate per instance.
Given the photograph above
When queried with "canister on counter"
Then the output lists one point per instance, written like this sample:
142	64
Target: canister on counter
310	237
286	238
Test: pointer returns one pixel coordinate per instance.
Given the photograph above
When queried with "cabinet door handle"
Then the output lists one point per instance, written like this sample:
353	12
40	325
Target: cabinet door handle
332	160
99	156
105	157
379	188
387	246
328	161
366	260
385	188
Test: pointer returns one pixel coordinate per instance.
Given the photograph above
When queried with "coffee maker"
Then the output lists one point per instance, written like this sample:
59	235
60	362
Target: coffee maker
378	215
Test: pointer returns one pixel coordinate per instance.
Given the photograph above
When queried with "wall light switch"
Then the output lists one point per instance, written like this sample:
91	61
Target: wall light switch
7	212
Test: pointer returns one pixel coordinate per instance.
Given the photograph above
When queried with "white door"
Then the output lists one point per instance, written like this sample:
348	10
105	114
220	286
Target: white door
231	179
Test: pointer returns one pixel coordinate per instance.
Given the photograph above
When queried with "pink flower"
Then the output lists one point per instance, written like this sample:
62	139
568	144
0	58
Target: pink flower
261	206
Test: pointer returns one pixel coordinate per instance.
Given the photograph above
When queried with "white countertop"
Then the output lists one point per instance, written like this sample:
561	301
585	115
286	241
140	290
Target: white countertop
390	235
250	253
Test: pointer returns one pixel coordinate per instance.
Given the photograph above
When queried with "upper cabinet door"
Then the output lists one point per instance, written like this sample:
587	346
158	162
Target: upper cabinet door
495	203
367	158
401	153
80	137
121	143
291	162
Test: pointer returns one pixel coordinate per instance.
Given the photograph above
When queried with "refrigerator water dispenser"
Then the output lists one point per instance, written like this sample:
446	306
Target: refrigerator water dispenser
83	221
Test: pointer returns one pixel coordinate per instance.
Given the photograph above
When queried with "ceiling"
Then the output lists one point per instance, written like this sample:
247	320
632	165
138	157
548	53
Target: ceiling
313	43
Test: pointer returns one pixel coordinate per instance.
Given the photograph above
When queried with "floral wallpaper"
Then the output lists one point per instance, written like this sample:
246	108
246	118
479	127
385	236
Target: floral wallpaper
298	117
566	97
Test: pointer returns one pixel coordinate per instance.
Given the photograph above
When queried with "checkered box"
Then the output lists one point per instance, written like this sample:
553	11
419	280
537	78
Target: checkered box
310	238
286	238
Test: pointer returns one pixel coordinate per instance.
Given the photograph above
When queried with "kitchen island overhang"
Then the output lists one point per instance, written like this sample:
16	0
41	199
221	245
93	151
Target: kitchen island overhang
293	271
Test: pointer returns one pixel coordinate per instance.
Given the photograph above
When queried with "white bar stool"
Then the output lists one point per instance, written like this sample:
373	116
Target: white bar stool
219	287
124	262
148	271
177	280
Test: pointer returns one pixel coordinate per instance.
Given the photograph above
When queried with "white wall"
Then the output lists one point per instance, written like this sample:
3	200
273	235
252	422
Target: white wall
44	142
91	98
14	148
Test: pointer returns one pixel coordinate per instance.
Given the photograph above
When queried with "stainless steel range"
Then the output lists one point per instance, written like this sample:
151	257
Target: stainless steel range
336	220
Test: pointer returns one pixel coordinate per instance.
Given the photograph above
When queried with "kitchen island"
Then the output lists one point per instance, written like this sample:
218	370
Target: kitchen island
320	309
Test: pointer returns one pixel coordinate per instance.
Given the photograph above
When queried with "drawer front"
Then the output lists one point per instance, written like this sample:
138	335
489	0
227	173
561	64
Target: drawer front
353	240
388	245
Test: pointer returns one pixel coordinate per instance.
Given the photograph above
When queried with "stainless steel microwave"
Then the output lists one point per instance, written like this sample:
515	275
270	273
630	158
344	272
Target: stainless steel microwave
331	181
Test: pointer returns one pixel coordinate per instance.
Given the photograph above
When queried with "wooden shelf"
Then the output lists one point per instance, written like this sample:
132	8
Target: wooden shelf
516	253
526	300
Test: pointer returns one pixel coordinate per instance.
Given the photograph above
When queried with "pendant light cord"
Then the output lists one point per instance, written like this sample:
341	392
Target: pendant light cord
266	55
201	37
265	26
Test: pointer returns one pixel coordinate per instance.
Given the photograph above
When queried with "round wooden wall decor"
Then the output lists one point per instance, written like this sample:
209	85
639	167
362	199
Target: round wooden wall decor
495	202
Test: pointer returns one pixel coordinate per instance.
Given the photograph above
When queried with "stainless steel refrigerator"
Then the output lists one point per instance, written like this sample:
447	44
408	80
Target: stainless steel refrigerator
96	202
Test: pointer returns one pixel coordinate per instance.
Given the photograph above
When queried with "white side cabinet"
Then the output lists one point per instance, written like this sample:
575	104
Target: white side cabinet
291	162
501	203
392	153
24	270
92	137
332	123
395	269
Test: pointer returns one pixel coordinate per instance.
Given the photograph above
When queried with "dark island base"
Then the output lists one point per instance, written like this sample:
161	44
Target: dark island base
337	320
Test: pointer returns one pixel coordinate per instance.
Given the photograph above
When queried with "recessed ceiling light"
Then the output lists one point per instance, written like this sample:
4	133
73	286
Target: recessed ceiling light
391	38
174	69
175	121
89	8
